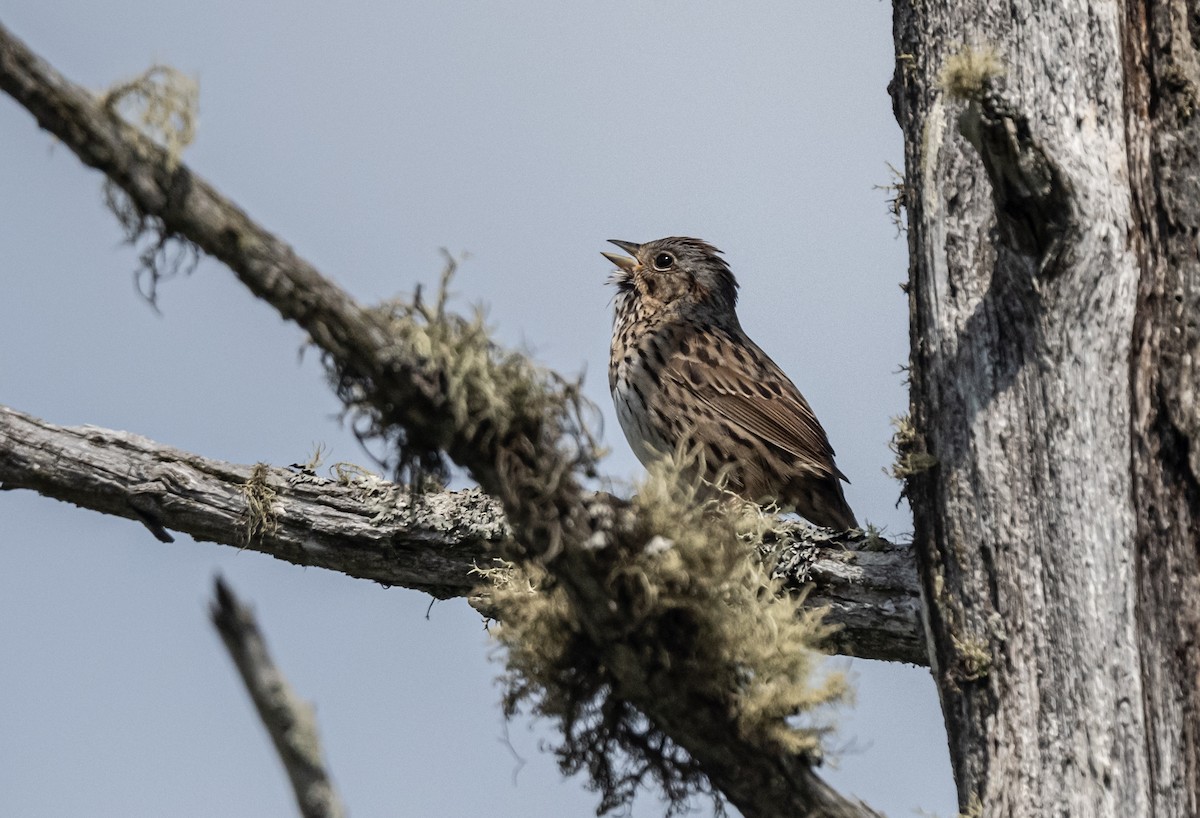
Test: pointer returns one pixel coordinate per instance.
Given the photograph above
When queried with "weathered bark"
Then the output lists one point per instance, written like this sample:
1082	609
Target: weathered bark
369	528
1060	583
1162	70
362	527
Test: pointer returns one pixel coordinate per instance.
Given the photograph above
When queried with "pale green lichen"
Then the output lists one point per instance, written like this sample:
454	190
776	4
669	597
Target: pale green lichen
974	659
699	606
164	102
873	539
377	495
351	474
487	388
968	73
905	443
316	458
493	400
259	518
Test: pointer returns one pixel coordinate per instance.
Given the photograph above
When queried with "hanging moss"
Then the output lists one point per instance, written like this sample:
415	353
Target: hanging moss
260	517
700	606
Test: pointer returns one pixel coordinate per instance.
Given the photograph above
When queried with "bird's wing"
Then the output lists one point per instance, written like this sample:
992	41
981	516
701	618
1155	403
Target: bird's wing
752	393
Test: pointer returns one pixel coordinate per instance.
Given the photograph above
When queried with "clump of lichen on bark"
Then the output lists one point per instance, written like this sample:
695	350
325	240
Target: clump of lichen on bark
163	104
700	612
967	74
494	400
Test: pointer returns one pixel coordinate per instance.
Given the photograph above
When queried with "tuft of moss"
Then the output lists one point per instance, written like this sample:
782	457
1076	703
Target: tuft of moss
496	401
974	659
969	73
163	103
260	517
906	444
699	606
315	459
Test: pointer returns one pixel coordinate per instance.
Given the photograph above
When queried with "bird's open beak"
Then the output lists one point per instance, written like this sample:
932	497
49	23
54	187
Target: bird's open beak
624	262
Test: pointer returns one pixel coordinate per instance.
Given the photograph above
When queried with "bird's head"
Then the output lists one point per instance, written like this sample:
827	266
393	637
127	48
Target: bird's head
675	271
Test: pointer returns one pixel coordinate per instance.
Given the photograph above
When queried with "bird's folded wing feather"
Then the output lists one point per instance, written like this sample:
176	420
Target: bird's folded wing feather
783	419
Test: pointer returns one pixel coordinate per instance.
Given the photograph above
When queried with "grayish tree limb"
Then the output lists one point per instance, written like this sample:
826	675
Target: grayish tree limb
289	720
369	528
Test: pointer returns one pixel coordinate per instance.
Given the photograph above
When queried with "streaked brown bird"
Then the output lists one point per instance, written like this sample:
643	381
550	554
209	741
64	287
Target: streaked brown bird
682	371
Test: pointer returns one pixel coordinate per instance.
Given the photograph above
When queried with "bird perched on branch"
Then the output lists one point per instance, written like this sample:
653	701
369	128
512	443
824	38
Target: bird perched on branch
685	377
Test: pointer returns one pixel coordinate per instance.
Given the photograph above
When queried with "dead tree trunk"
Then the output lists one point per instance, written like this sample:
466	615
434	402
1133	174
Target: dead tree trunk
1053	198
1162	76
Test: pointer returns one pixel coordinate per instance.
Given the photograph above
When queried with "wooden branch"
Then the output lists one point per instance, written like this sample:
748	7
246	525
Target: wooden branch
289	720
514	442
364	528
182	205
372	529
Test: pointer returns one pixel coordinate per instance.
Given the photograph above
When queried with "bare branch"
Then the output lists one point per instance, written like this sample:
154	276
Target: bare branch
289	720
368	529
376	530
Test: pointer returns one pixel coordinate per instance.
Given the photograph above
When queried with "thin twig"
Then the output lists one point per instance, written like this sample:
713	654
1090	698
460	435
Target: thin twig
288	718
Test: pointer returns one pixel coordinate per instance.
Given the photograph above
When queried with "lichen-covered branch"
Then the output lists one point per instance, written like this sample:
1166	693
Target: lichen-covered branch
436	383
369	528
289	720
361	526
400	374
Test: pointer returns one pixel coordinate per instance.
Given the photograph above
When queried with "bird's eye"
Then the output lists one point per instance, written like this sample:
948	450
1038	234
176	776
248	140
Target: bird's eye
664	261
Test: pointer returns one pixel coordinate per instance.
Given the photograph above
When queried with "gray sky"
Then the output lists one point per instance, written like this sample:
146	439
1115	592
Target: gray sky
370	135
